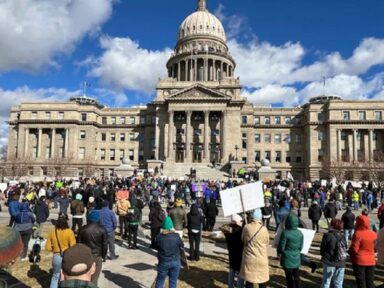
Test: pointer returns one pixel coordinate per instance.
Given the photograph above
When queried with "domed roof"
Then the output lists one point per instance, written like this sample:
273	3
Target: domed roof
202	22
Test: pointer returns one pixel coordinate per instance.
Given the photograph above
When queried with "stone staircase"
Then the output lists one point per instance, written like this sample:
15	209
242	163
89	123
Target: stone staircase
203	171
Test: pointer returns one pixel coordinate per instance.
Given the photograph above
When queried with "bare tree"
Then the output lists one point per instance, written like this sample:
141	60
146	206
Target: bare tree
334	168
376	169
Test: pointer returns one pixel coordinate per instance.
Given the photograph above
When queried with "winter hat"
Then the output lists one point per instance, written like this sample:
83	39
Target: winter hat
236	219
10	245
91	199
256	214
105	203
94	216
77	260
178	202
168	223
79	197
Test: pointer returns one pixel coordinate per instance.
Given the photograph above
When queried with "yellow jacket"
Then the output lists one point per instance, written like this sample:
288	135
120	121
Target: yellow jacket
66	238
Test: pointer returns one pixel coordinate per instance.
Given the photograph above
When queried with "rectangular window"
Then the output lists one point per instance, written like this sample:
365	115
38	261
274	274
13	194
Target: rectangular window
320	117
180	132
153	119
122	120
361	115
298	157
268	155
345	115
320	156
288	120
141	155
113	137
278	156
244	143
298	138
102	154
257	156
267	120
142	120
378	115
103	137
132	120
141	137
244	119
287	138
196	132
359	135
131	155
81	153
83	116
277	138
257	120
82	134
267	138
60	116
343	136
277	120
215	132
112	154
113	120
122	154
257	138
288	157
122	137
131	136
47	115
104	121
320	135
34	115
374	136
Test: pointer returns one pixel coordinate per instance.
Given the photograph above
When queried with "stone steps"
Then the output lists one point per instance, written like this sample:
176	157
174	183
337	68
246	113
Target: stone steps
203	171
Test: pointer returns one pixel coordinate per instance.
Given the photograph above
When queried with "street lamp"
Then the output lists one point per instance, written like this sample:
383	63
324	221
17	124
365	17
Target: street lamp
236	148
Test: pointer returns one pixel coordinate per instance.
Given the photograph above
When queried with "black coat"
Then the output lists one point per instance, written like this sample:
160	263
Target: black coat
348	219
330	210
314	212
232	235
211	209
195	219
156	217
95	237
41	211
328	248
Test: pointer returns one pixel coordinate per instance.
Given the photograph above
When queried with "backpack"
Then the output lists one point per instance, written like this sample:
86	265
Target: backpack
340	250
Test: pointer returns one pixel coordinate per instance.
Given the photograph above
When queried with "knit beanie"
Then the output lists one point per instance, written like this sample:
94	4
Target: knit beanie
94	216
256	214
168	223
236	219
10	245
79	197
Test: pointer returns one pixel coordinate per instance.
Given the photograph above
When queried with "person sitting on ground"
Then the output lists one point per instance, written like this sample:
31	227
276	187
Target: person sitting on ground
77	268
168	244
96	238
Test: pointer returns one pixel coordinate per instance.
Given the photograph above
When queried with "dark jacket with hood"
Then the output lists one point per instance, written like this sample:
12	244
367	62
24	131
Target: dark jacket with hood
348	219
156	215
330	210
95	237
291	243
211	209
314	212
195	220
329	247
41	211
232	233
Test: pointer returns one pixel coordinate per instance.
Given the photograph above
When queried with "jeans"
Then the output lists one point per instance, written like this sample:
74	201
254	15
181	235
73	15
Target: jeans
194	245
169	268
111	245
335	274
99	264
56	267
231	279
210	223
154	233
25	237
132	235
364	276
293	278
77	222
123	226
356	205
348	233
315	225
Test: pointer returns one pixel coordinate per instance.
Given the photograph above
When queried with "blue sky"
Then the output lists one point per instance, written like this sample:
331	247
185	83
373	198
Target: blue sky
283	48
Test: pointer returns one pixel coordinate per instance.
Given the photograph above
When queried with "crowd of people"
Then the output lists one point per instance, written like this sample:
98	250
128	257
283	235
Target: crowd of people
114	204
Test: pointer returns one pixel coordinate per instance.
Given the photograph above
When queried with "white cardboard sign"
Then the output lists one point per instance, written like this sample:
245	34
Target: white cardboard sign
308	238
3	186
253	197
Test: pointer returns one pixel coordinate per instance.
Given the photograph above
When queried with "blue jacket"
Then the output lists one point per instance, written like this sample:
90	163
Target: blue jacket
14	208
108	219
168	246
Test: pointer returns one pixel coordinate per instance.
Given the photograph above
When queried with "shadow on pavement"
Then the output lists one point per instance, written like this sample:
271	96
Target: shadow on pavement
121	280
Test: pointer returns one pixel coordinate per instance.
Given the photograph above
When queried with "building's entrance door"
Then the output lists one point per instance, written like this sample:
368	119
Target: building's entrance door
180	155
215	156
197	154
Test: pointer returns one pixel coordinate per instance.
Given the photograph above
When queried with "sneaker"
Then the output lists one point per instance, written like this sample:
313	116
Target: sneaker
24	259
313	266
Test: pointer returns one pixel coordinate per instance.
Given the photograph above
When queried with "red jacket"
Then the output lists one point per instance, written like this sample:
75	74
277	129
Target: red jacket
362	250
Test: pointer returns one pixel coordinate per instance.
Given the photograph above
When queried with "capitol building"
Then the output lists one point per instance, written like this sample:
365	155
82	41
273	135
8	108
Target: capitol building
198	118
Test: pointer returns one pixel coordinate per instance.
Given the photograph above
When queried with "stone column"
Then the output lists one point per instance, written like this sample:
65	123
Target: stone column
26	142
170	135
66	143
366	146
195	70
157	137
354	145
53	135
370	144
206	69
338	144
178	71
222	137
214	71
186	70
188	137
206	135
39	143
222	70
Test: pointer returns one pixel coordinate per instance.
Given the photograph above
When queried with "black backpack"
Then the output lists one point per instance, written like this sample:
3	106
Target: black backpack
340	254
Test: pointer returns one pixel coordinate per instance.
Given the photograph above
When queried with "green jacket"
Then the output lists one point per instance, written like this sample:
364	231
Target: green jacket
76	284
291	243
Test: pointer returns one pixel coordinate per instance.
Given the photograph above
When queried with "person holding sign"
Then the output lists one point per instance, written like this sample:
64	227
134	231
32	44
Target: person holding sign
291	243
254	264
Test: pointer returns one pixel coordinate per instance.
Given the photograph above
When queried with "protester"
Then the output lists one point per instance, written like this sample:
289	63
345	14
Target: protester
78	267
24	223
314	214
13	207
41	211
179	217
348	219
380	214
77	211
168	244
96	238
233	233
122	206
108	221
254	264
290	245
156	217
362	253
380	247
211	212
60	238
133	219
195	224
63	202
267	211
330	211
333	250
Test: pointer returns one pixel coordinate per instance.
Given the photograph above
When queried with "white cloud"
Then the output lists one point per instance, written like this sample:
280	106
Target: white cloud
125	65
272	94
34	32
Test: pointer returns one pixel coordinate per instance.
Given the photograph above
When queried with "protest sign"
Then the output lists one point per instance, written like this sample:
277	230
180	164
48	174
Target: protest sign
323	183
242	198
308	238
3	186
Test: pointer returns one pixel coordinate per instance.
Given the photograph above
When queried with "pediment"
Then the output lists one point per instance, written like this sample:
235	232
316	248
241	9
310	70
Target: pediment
198	93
